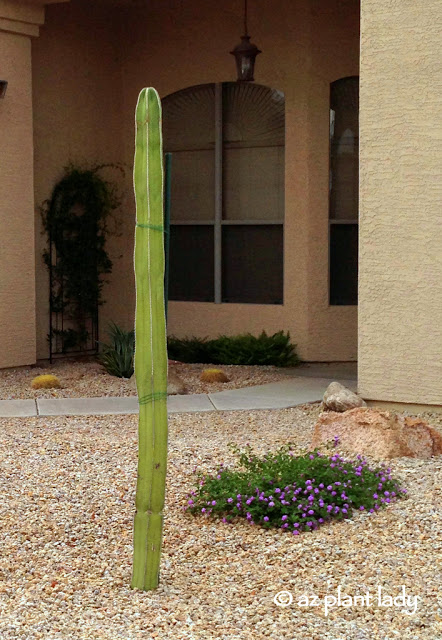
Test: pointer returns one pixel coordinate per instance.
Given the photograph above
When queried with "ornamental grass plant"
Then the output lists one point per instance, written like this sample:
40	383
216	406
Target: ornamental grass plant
296	493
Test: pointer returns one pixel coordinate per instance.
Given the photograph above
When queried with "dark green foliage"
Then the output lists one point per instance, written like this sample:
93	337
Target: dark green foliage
71	338
76	220
188	349
244	349
262	350
296	493
117	357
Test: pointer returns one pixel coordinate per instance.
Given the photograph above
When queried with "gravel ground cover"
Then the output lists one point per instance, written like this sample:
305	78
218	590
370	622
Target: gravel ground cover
89	380
66	507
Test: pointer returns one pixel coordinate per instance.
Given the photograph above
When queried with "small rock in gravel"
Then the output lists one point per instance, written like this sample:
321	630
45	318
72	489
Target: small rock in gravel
339	398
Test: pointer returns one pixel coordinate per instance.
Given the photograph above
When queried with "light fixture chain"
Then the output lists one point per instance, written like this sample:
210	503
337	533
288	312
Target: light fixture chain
245	18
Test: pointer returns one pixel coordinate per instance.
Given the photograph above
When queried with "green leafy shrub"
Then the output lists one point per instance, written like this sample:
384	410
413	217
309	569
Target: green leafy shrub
244	349
188	349
117	357
295	493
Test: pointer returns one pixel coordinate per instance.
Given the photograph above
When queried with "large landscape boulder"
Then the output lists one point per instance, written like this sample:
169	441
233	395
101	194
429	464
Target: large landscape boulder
339	398
379	434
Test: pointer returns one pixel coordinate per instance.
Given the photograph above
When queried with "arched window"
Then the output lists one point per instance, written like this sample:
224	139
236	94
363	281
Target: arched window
344	185
227	194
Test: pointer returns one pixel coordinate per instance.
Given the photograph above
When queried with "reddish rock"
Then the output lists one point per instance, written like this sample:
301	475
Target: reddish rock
379	434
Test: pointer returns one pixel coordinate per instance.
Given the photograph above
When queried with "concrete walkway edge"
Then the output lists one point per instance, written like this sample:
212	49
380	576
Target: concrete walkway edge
275	395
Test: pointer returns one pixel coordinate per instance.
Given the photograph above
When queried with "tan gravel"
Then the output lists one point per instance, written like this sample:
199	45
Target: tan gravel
90	380
66	507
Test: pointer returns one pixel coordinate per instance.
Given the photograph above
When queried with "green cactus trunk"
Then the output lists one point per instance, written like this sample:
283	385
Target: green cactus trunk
150	342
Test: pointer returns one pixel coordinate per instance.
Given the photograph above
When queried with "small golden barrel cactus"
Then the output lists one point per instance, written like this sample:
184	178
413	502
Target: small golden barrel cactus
47	381
213	375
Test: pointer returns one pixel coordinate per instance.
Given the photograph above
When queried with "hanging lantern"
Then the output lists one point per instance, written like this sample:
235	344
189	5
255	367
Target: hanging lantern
245	54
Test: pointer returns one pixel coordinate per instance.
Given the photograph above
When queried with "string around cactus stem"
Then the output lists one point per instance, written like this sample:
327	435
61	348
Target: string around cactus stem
155	227
158	395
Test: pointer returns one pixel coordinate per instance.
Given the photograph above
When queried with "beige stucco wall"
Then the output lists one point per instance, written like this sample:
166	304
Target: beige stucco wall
400	310
305	47
77	99
85	91
17	272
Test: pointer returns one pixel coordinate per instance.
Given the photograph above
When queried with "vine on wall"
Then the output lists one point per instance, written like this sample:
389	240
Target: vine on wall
76	218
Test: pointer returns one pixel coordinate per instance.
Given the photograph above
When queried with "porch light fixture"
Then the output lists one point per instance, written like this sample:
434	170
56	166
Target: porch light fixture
3	85
245	54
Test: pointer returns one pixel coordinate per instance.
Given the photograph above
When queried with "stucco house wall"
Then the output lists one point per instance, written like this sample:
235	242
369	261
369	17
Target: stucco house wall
17	273
306	46
85	89
77	95
400	281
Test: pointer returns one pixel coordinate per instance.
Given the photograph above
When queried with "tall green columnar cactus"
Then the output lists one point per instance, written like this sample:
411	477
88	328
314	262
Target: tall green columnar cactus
150	342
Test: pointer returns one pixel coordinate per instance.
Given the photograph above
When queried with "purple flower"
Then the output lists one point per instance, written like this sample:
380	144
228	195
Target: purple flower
309	523
296	525
271	504
277	490
311	457
329	488
284	518
213	503
311	512
375	496
190	502
361	508
266	518
386	493
203	510
295	533
229	500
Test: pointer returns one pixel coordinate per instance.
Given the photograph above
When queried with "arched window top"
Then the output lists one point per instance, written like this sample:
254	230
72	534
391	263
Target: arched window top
252	115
